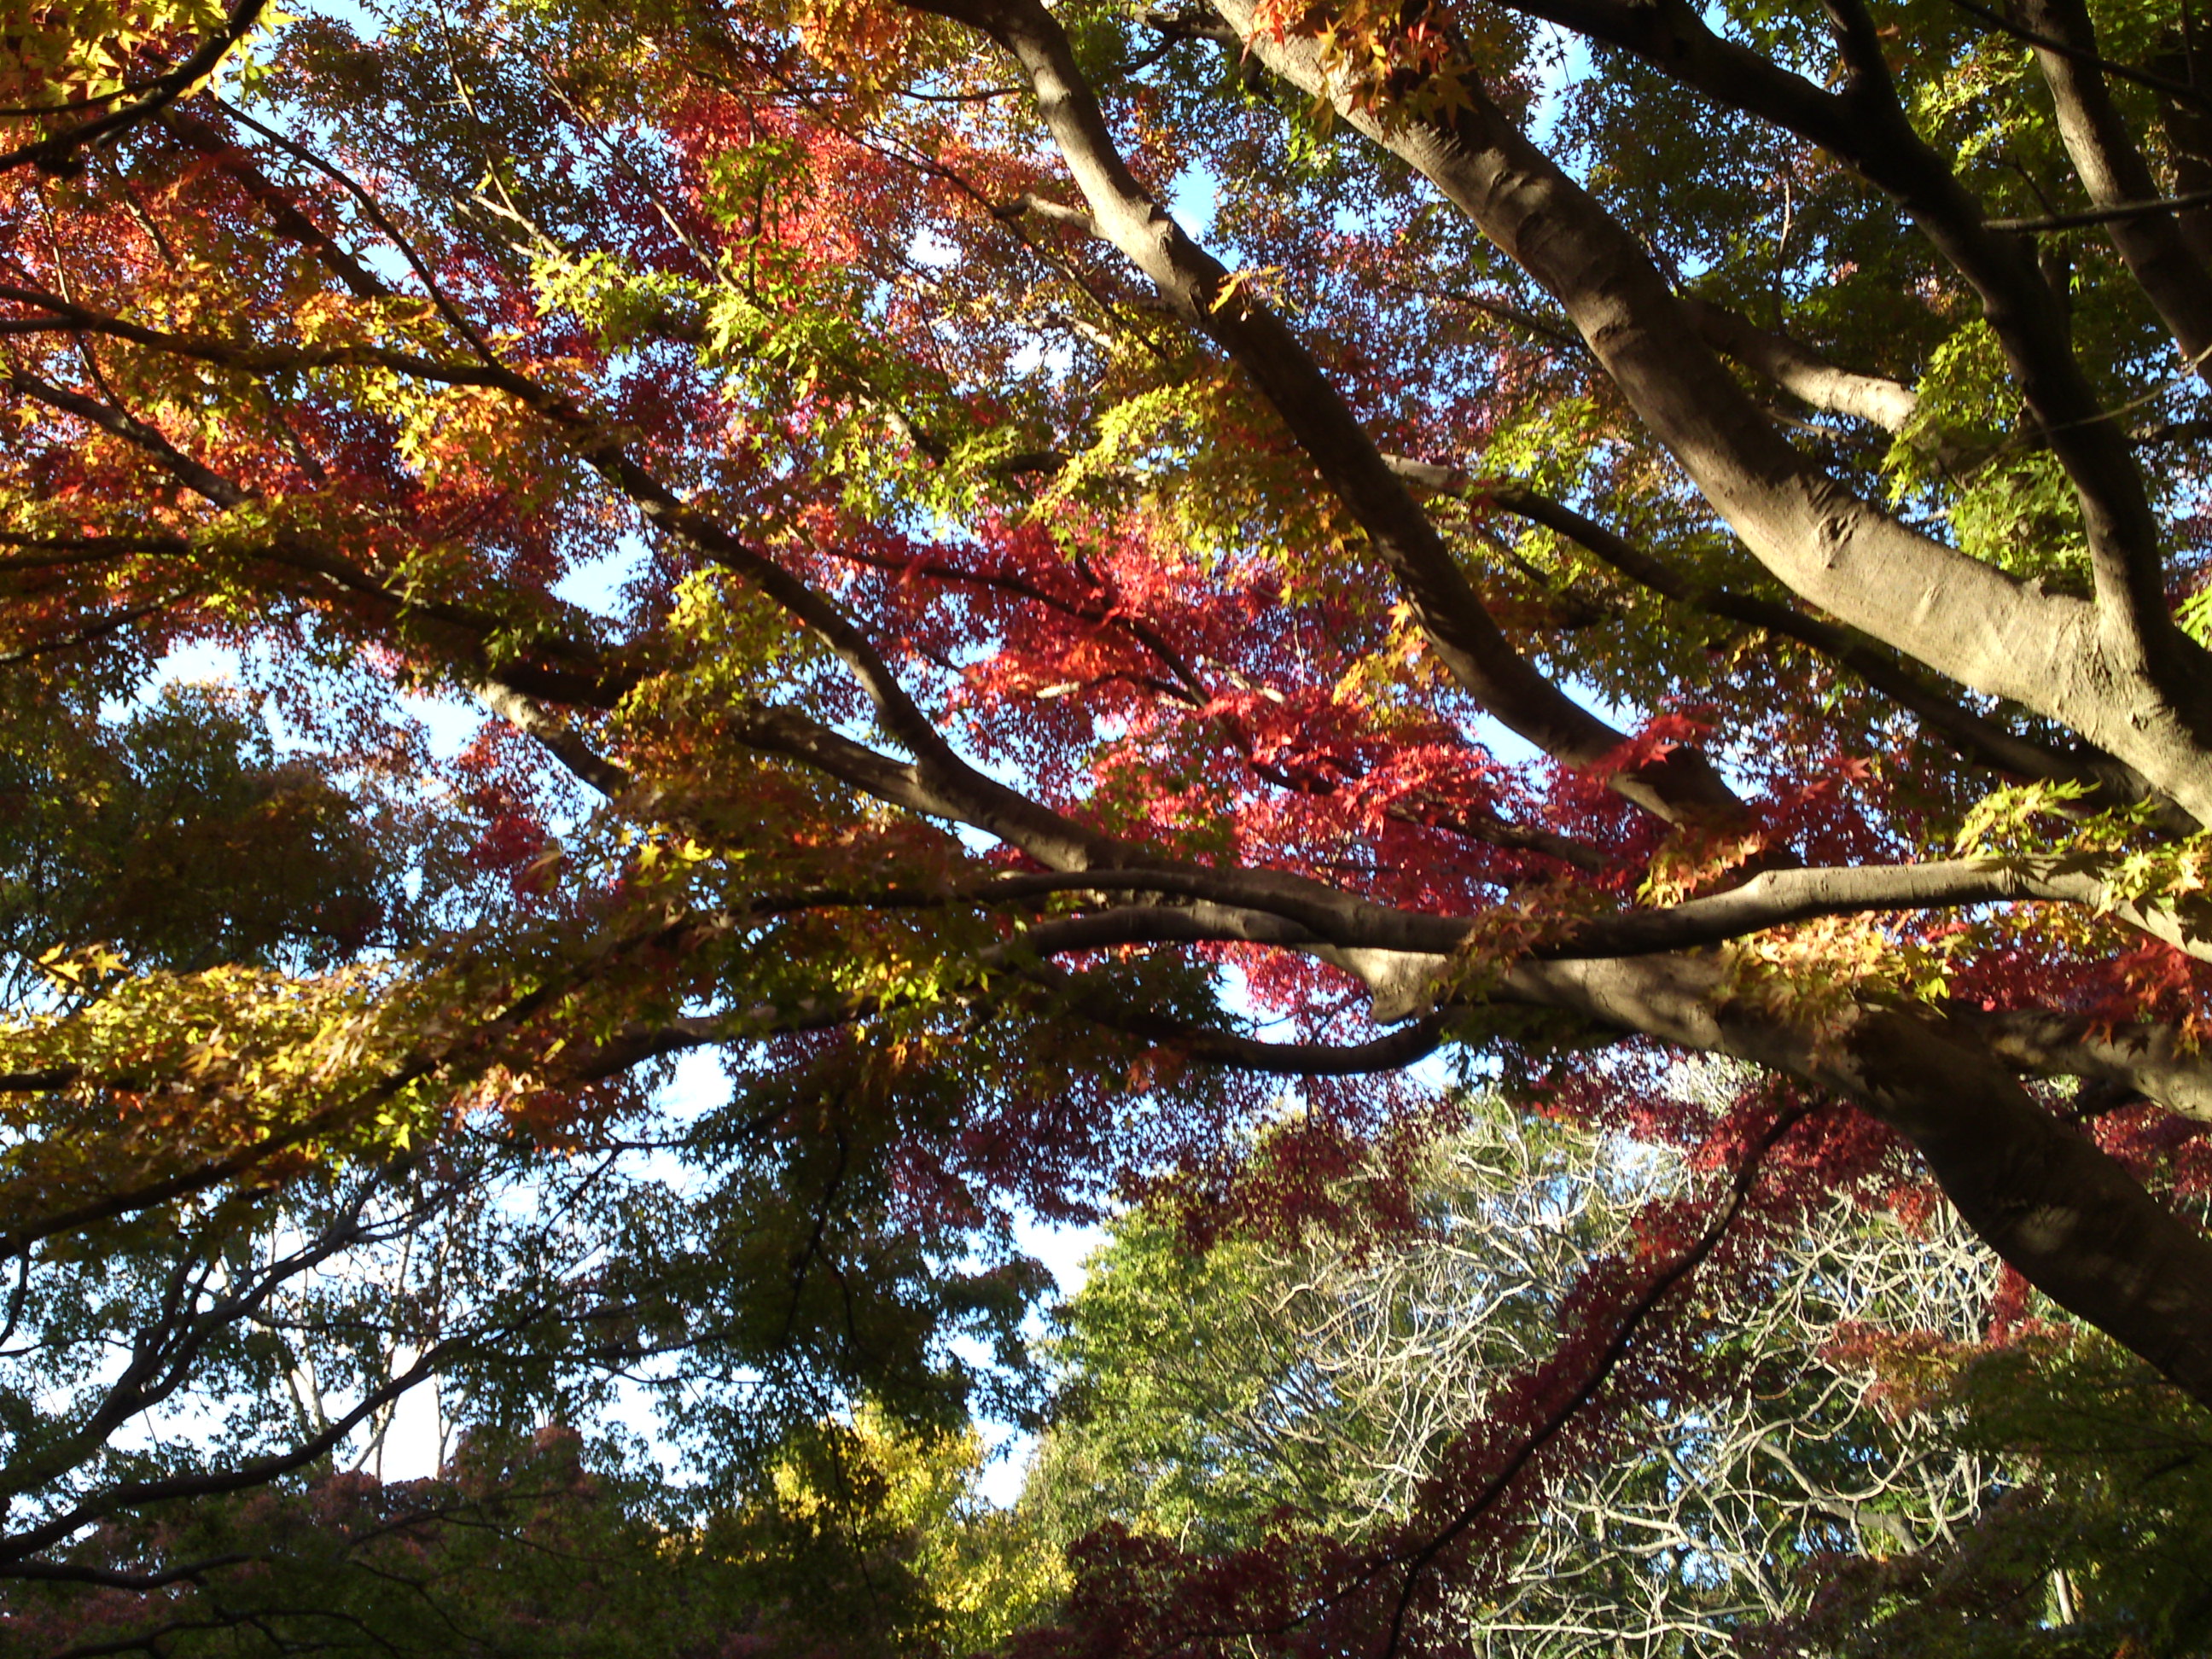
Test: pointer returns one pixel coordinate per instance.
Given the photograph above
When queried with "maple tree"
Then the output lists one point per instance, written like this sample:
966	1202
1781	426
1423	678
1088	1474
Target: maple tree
1629	529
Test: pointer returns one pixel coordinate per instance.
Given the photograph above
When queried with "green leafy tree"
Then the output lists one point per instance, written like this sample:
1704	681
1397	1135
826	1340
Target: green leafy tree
2085	1547
178	836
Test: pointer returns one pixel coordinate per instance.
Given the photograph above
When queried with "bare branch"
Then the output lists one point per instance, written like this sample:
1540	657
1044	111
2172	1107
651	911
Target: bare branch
1602	1366
2104	216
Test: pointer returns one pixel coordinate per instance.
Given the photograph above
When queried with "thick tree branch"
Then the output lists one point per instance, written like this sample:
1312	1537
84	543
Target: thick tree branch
202	481
287	213
2088	667
2116	175
2151	1061
1865	126
557	738
69	1572
1975	738
53	314
1776	899
1199	1044
1391	1052
1802	372
560	669
2075	1223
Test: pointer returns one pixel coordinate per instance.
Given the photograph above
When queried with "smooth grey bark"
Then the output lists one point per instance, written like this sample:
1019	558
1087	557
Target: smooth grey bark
1975	737
1863	125
1802	372
2114	171
2087	665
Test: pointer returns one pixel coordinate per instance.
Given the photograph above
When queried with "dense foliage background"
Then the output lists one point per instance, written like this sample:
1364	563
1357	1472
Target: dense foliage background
1521	687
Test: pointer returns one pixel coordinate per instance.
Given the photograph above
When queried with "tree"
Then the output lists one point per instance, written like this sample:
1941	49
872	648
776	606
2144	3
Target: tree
862	1544
1651	529
2086	1551
1829	1457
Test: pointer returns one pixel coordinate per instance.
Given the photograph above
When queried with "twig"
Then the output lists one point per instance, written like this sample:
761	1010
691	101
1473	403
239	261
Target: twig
2100	216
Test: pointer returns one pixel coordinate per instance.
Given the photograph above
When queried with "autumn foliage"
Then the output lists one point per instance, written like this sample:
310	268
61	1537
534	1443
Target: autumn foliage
1094	605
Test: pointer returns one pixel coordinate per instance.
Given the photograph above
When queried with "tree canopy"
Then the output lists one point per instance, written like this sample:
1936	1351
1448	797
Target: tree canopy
1097	604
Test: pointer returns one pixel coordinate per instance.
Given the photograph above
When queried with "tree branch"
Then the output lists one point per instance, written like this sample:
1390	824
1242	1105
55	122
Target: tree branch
555	735
1224	309
2151	1061
2181	91
2117	179
2105	215
57	152
1800	372
1777	898
2094	669
1975	737
69	1573
2073	1221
